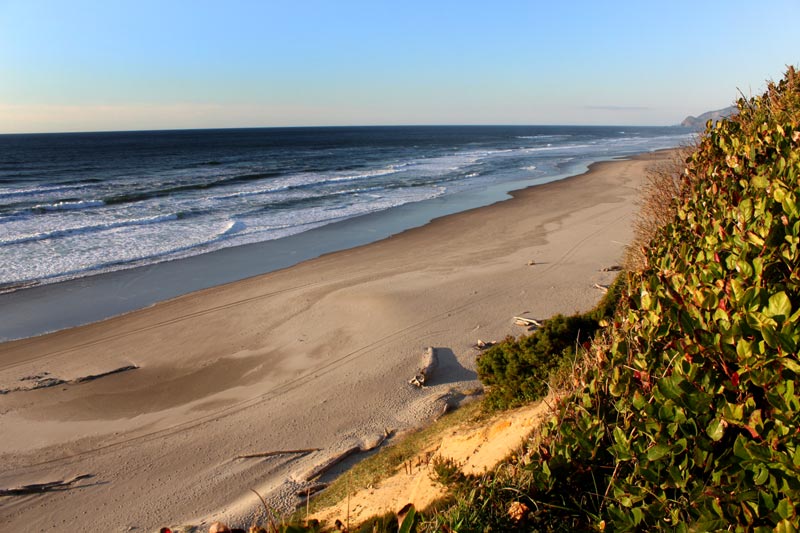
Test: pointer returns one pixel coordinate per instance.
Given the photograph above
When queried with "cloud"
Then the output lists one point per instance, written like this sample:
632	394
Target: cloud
617	108
95	117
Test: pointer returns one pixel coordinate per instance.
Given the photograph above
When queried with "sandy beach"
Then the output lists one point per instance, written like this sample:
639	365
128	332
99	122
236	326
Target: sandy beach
316	356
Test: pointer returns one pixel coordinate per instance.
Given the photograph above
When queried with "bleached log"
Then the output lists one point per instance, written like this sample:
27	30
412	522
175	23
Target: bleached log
429	362
603	288
524	321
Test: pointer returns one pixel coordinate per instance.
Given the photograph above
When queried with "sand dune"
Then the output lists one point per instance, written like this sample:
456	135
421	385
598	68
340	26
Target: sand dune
314	356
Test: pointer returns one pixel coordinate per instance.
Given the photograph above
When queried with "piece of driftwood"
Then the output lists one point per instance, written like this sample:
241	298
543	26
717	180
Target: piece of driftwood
330	463
527	322
483	345
429	362
603	288
370	444
93	377
44	380
612	268
38	488
449	401
313	489
276	452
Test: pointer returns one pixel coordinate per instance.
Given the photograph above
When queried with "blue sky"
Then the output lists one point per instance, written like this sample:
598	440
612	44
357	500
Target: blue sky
117	65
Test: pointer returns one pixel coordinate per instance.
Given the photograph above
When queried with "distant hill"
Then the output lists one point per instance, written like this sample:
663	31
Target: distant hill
699	123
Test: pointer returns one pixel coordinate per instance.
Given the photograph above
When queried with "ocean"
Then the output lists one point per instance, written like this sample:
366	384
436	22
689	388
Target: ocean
76	205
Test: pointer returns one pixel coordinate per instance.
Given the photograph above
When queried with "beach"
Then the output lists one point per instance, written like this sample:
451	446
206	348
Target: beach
315	356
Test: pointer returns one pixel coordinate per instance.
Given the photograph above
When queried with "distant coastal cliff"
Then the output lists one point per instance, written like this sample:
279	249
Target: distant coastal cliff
699	122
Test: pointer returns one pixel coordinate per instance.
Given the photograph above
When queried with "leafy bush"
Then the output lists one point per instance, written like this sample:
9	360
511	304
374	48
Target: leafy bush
688	419
519	371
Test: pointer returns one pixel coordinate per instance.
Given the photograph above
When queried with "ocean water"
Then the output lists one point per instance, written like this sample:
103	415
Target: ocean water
75	205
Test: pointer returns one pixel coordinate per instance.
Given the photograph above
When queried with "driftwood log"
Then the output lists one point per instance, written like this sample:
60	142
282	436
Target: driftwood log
429	362
312	489
603	288
330	463
277	452
526	322
483	345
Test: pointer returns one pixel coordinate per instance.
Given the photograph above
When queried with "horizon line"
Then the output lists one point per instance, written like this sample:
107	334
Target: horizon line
332	126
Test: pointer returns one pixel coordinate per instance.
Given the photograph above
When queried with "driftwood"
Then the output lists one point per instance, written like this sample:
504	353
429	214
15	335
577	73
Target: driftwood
313	489
603	288
330	463
526	322
44	380
612	268
449	401
277	452
93	377
375	442
38	488
482	345
429	362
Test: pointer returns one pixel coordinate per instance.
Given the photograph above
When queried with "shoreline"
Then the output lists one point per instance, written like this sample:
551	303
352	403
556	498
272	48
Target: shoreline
37	307
316	355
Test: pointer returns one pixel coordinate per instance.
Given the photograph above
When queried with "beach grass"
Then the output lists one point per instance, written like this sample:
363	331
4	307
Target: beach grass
407	449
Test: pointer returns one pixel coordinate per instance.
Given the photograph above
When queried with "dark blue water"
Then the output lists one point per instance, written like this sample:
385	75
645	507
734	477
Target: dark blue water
74	205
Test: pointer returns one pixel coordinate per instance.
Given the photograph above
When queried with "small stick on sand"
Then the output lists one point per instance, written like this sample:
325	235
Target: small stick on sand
603	288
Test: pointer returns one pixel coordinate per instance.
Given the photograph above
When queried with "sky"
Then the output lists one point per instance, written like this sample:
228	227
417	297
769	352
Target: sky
82	65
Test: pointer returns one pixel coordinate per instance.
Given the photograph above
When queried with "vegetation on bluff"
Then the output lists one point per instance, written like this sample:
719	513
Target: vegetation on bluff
686	417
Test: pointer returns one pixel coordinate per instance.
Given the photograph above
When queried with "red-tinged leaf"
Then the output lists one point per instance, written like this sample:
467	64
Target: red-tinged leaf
735	379
753	432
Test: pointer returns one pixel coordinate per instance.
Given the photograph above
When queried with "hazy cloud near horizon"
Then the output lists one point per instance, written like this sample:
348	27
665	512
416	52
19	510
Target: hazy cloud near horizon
617	108
154	65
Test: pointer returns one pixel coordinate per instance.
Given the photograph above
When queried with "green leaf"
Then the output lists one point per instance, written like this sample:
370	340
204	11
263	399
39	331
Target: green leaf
408	521
785	509
669	387
779	305
761	476
716	429
638	515
657	452
638	401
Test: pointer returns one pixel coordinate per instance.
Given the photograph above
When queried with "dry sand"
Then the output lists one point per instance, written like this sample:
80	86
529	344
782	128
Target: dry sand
476	448
314	356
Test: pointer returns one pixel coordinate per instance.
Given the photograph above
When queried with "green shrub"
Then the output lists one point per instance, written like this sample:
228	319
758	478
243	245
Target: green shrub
689	420
519	371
